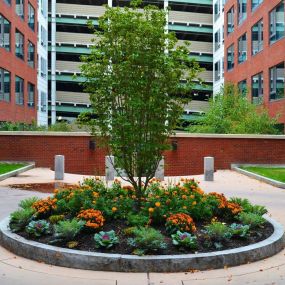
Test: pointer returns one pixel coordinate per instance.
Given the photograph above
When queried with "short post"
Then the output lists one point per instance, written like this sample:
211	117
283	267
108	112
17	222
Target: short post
159	173
109	168
59	167
209	168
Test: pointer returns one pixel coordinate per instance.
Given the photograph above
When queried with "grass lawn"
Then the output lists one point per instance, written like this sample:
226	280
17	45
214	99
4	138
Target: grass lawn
269	172
7	167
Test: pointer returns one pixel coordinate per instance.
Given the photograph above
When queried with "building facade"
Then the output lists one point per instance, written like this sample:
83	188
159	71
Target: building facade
69	38
255	51
18	62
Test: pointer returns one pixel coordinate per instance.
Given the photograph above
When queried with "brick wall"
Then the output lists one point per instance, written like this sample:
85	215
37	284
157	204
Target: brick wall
186	160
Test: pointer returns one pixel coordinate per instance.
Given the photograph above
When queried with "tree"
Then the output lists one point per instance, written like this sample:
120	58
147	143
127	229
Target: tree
231	113
133	76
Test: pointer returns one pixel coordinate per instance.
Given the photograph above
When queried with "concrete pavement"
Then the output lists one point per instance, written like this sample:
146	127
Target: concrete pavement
16	270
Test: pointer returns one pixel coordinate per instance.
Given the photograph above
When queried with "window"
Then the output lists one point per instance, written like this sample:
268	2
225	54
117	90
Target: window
257	88
31	95
19	51
222	67
217	71
8	2
43	37
241	11
255	4
19	90
43	7
31	55
217	40
230	20
257	37
5	29
43	68
5	85
31	16
242	86
20	8
231	57
277	23
242	49
277	81
43	101
217	10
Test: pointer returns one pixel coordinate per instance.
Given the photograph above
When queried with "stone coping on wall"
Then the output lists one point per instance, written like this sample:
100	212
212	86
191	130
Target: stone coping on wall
177	135
131	263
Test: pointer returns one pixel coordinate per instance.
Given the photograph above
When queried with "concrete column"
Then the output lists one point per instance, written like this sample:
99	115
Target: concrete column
109	168
59	167
110	3
53	61
208	168
159	174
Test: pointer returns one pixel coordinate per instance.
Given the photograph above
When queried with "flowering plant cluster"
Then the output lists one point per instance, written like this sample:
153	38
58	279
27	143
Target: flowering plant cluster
180	222
94	218
45	206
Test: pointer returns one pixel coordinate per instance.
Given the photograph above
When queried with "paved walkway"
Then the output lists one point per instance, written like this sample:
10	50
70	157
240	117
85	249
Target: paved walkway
16	270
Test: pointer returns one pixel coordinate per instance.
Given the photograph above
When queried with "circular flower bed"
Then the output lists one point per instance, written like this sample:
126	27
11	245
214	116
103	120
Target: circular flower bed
171	219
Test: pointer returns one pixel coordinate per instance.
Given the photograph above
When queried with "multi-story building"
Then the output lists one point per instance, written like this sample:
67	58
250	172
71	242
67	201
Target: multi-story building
42	81
218	45
255	51
69	37
18	63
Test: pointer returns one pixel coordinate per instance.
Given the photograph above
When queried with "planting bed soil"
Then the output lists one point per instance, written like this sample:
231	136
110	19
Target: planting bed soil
40	187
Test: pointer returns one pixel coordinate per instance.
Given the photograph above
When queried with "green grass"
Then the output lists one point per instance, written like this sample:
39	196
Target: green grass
277	173
7	167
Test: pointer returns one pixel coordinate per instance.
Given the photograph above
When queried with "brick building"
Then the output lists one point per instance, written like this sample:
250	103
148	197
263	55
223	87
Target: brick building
255	51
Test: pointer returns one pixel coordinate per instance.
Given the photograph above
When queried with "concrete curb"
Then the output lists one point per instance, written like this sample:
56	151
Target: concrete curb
131	263
30	165
236	167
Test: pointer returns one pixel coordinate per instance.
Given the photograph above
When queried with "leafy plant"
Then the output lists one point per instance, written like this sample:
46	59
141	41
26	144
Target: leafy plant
147	240
20	219
251	219
239	230
28	203
218	231
54	219
137	220
38	228
68	230
106	239
248	207
184	240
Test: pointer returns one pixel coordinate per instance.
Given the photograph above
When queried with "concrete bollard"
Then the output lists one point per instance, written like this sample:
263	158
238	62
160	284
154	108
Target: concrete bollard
208	168
59	167
109	168
159	173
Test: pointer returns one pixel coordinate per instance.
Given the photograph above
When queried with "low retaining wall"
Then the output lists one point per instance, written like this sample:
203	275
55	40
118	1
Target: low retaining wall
187	159
131	263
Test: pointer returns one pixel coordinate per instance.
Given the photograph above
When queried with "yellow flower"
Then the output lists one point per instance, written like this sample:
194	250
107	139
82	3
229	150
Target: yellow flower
157	204
114	209
194	203
150	210
184	207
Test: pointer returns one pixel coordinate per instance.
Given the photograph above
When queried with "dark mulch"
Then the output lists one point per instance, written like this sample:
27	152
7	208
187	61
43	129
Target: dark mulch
86	241
40	187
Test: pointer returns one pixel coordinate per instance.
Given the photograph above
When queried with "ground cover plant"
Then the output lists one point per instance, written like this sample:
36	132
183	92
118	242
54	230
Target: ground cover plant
276	173
172	219
7	167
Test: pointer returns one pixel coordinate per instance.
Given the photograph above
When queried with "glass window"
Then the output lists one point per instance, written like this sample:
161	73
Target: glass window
43	101
43	7
277	81
31	94
231	57
242	86
31	16
241	10
31	54
43	37
19	90
242	49
19	51
5	85
257	37
257	88
217	40
43	68
230	20
20	11
8	2
5	30
217	10
255	4
217	71
277	23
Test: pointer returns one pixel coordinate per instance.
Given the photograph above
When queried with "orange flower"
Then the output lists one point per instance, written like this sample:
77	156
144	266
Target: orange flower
194	203
157	204
94	218
181	221
45	205
150	210
114	209
184	197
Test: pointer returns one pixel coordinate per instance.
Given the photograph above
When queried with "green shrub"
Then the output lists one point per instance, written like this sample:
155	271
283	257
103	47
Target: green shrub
248	207
137	220
239	230
184	240
28	203
106	239
20	219
38	228
218	231
68	230
251	219
147	240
